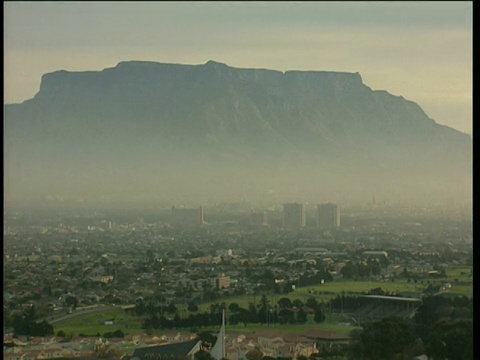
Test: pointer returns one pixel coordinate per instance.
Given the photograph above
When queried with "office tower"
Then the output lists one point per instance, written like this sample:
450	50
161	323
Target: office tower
328	216
184	216
294	216
259	218
201	215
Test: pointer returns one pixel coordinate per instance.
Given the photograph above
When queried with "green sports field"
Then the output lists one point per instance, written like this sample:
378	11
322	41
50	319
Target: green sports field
93	324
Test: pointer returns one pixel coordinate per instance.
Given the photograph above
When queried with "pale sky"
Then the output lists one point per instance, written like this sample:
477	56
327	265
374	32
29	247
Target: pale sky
419	50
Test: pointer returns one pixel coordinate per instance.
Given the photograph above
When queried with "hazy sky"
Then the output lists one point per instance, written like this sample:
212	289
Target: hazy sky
419	50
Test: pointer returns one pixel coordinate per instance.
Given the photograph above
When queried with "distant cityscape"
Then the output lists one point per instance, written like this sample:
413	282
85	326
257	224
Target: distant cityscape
294	216
238	180
156	269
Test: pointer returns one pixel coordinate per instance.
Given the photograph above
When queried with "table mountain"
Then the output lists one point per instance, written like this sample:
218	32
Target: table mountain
154	131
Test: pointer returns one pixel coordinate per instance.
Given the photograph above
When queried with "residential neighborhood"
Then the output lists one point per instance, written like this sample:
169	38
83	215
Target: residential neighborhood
67	266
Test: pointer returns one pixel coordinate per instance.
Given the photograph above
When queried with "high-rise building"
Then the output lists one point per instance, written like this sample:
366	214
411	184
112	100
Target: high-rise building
259	218
294	216
201	215
186	216
328	216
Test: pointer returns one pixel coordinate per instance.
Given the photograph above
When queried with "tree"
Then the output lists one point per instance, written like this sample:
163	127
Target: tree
263	310
203	355
177	322
375	268
30	313
243	316
118	334
25	325
297	303
427	315
254	354
207	338
319	316
139	306
234	309
286	316
450	340
312	303
171	308
47	290
349	271
71	300
41	329
385	339
301	316
285	303
252	313
150	256
192	307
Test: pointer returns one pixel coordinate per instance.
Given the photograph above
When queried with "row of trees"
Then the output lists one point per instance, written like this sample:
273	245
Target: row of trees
284	312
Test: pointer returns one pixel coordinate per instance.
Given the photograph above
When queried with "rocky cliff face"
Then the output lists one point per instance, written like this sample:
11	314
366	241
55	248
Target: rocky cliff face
236	131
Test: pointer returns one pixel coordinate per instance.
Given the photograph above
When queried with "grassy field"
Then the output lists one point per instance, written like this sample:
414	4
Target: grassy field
326	291
460	274
460	279
93	324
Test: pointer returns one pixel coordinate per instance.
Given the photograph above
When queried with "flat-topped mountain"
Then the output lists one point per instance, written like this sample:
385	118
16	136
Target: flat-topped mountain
153	131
